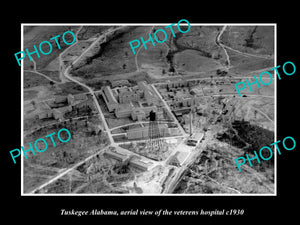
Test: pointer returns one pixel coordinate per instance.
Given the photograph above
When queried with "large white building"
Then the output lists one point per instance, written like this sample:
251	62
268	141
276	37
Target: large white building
120	101
143	132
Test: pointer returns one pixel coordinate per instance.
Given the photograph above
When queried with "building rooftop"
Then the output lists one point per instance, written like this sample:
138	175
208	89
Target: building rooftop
62	109
124	107
140	163
80	97
43	106
109	95
116	83
114	153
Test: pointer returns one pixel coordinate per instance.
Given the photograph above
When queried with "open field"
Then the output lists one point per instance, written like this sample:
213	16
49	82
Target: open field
70	88
257	40
115	56
53	74
30	94
182	52
38	93
194	61
32	79
242	64
37	34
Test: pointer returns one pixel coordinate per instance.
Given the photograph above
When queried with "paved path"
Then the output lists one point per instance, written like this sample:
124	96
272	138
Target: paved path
218	42
61	63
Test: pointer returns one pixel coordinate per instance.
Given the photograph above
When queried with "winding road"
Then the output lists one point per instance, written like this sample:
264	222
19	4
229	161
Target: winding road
90	90
219	42
66	74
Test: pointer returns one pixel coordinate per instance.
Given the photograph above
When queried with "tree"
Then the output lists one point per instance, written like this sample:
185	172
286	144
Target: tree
89	110
33	103
168	89
221	72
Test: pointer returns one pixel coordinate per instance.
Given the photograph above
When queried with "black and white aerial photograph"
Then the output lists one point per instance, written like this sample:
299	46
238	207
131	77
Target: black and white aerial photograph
149	118
152	109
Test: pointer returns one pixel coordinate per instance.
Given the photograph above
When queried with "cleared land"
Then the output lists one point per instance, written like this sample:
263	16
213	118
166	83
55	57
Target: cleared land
35	35
257	40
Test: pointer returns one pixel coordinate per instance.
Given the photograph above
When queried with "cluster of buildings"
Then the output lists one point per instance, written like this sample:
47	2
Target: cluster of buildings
143	132
135	161
136	102
183	93
59	106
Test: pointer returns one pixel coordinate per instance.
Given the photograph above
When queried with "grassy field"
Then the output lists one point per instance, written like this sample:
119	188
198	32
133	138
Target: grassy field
32	79
70	88
250	39
30	94
194	61
191	52
36	35
54	75
115	56
245	64
203	39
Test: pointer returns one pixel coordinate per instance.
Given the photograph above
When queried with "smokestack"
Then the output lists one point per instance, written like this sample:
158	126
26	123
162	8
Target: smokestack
191	132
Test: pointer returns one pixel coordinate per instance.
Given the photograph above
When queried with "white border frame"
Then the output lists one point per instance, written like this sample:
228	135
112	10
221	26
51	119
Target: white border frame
150	24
